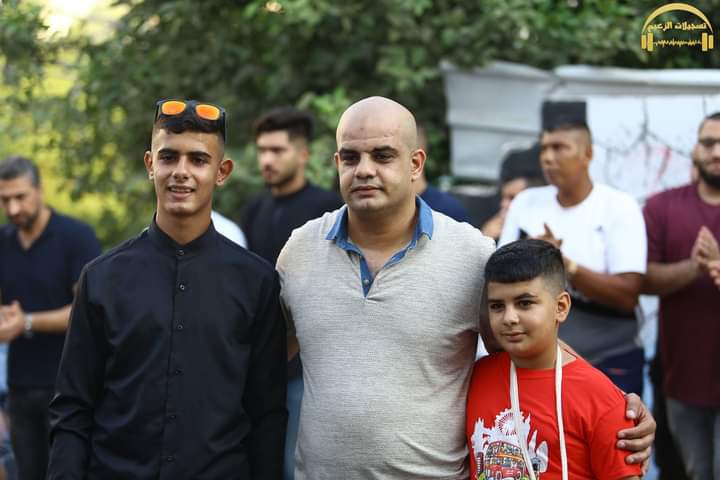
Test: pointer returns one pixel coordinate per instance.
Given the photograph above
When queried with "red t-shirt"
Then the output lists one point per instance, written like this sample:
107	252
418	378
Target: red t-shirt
593	413
689	325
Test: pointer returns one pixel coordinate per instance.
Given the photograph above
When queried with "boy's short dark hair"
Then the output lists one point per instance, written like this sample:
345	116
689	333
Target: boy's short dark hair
17	166
525	260
297	123
188	121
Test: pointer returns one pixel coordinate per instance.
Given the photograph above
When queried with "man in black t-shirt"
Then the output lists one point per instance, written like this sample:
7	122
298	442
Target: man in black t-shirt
282	139
41	255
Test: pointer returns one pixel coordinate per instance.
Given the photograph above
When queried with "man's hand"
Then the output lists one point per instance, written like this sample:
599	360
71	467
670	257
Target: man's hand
638	439
12	321
715	272
549	237
705	250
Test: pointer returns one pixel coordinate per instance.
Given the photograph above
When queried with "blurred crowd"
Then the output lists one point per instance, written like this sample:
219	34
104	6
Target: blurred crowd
614	250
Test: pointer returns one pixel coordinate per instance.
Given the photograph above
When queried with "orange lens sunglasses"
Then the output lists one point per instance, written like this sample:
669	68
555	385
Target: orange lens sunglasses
205	111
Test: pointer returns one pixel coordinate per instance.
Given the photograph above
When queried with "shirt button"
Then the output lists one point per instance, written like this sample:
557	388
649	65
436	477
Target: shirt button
172	417
178	372
170	459
366	282
181	253
180	326
182	287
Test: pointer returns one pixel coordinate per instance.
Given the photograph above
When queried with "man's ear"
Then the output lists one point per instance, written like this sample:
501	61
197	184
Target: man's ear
224	171
563	303
41	193
695	152
418	163
148	160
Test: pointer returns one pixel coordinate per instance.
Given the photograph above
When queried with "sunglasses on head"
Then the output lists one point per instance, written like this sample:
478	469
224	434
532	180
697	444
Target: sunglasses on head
206	111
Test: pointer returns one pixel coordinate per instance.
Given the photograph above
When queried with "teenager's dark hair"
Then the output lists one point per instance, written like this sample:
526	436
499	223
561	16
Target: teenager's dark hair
16	167
713	116
526	260
297	123
188	121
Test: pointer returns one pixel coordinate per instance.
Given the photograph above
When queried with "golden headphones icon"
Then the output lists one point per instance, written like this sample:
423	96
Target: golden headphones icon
707	40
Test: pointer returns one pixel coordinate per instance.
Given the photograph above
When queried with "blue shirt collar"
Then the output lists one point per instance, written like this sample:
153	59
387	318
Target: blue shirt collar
424	226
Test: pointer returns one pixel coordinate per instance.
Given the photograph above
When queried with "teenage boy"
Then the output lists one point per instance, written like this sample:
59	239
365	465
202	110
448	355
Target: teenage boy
537	410
174	366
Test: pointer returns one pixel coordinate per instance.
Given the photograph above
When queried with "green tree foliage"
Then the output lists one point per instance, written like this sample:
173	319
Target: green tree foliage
37	72
24	56
317	54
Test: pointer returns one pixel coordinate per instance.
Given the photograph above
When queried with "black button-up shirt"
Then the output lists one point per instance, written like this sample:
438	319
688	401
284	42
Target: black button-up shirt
174	366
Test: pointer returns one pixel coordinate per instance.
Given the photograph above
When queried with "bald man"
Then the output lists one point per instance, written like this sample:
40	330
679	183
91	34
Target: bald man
382	299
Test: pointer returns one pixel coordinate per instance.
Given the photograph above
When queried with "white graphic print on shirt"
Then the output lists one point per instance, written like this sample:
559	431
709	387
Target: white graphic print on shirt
497	452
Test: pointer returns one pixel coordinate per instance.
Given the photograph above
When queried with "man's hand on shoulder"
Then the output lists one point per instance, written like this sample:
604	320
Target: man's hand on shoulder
638	439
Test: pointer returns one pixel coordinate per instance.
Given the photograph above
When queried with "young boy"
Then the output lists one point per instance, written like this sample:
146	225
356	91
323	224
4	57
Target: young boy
527	302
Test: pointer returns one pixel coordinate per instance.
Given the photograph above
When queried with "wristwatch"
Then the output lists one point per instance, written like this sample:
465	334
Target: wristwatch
28	331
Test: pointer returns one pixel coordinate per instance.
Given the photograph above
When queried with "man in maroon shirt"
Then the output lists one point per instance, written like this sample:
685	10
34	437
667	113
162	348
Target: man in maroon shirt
683	227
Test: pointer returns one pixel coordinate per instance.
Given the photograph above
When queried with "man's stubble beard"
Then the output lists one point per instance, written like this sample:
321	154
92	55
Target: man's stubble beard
710	179
28	225
284	180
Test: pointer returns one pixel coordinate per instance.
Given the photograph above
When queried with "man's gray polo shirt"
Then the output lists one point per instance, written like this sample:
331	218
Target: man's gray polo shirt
386	369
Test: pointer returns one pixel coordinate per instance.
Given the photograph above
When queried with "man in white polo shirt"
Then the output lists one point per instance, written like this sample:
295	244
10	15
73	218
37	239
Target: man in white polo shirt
383	299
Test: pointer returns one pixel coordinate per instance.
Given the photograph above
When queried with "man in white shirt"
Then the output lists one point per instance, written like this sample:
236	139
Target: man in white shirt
601	233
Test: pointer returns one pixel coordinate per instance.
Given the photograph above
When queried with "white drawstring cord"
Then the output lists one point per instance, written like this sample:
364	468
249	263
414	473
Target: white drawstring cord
558	410
515	404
